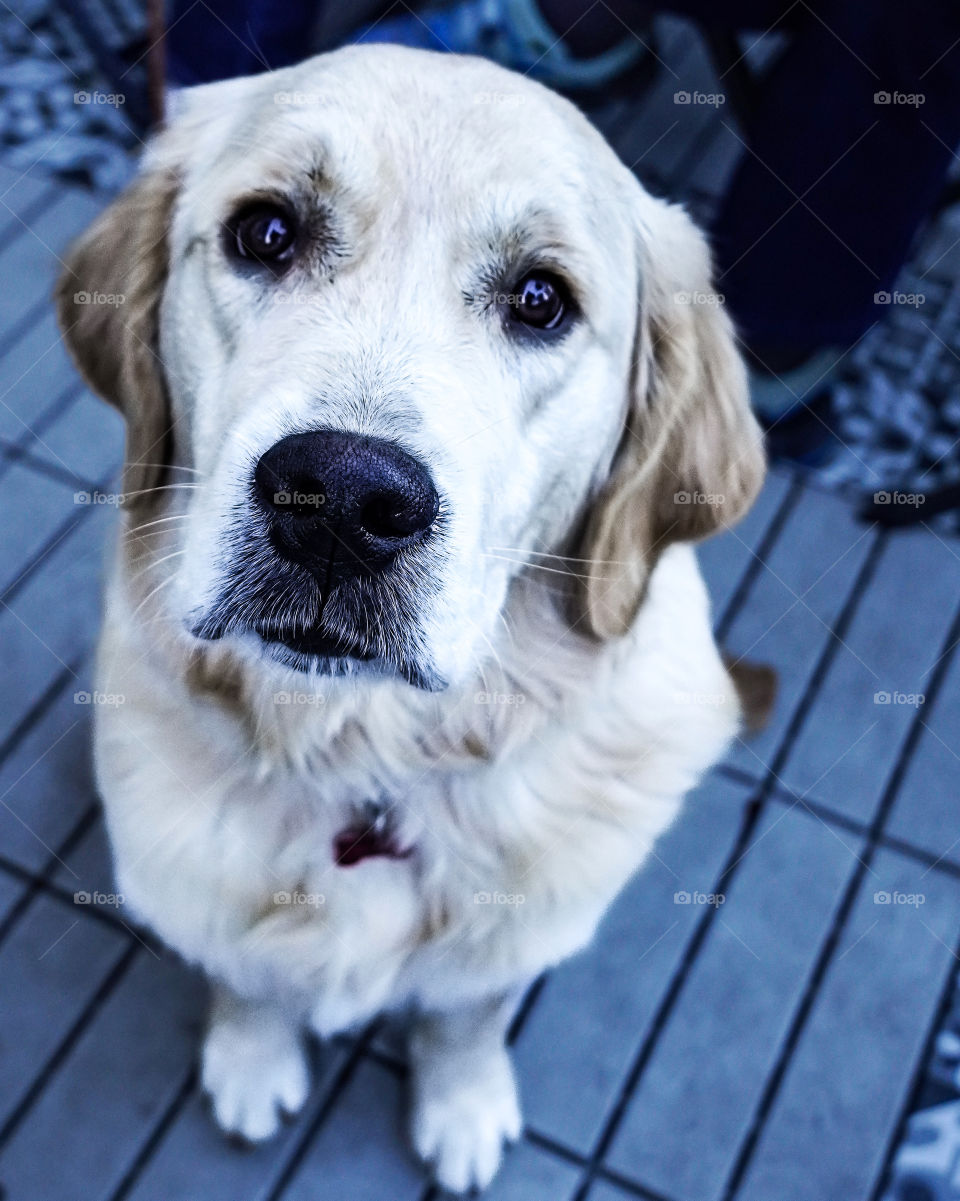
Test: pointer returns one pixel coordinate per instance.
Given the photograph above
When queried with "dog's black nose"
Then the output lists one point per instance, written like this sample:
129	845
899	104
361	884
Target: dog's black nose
342	504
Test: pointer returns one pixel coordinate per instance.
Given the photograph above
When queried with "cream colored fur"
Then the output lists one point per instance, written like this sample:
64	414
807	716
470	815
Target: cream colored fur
609	696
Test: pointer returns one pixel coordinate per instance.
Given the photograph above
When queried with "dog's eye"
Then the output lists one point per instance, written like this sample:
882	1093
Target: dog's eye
540	300
265	233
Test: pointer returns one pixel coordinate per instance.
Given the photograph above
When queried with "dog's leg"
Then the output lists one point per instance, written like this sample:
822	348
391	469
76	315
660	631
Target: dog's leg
464	1094
254	1066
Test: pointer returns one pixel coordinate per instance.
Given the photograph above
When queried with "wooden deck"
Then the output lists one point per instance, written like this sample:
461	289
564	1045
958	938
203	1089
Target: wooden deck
764	1050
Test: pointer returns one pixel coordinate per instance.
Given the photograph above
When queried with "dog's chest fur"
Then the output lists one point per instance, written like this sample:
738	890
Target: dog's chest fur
519	806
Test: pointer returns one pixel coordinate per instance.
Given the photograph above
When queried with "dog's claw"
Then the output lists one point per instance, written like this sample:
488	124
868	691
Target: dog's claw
461	1134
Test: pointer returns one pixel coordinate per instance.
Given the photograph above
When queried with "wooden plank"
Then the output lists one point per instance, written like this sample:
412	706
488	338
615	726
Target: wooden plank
576	1047
706	1075
51	966
725	558
85	440
604	1191
852	1069
32	256
925	810
98	1109
36	372
359	1154
851	739
787	618
530	1173
195	1160
11	890
23	193
34	508
88	868
46	784
53	620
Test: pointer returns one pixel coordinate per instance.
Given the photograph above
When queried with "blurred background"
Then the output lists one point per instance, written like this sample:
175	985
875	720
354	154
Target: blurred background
797	1038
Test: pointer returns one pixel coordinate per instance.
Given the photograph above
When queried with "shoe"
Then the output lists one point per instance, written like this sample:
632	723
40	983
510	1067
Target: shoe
778	394
514	34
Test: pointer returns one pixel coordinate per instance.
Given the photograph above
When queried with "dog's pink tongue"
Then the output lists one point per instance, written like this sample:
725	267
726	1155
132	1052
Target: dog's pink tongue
355	843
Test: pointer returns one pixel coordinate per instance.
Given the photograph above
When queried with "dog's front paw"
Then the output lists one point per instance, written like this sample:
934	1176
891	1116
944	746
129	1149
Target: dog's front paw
254	1071
460	1127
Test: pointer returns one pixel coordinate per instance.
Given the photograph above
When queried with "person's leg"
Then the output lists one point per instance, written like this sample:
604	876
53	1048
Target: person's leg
223	38
834	182
832	185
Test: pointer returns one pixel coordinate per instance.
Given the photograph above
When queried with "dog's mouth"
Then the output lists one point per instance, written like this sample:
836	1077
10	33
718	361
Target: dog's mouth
317	651
316	643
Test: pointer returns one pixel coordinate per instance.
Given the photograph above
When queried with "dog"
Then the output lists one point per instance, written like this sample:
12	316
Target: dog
427	400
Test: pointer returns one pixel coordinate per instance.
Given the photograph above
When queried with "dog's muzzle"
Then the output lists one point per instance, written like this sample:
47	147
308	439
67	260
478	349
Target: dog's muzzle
329	573
343	504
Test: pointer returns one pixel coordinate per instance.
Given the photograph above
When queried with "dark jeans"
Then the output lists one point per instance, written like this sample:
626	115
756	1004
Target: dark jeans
821	211
832	186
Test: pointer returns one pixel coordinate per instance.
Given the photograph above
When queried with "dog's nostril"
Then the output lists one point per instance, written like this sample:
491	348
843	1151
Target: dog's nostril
395	516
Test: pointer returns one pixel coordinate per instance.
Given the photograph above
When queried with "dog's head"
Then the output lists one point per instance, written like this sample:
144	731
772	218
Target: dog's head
393	325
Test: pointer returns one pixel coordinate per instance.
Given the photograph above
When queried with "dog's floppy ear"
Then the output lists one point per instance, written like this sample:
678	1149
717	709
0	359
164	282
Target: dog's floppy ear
108	300
691	457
